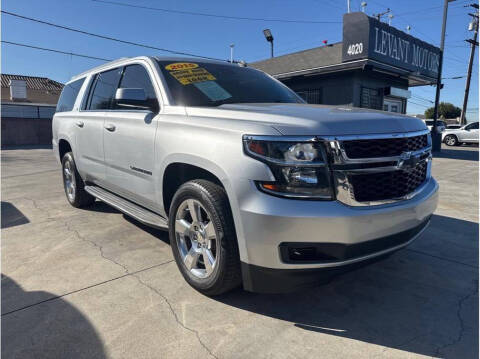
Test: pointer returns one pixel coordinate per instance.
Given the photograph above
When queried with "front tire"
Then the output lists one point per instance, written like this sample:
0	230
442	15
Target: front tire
73	183
203	239
451	140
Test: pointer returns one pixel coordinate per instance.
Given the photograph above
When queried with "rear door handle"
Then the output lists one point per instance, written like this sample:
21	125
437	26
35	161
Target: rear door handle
79	123
110	127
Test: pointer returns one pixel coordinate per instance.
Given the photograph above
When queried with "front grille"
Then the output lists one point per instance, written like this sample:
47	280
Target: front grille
387	185
384	147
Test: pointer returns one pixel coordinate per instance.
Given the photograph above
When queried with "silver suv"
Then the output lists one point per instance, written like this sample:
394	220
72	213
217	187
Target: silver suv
464	134
255	186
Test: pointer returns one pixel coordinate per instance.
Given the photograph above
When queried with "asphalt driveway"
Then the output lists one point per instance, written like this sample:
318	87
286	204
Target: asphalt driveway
93	283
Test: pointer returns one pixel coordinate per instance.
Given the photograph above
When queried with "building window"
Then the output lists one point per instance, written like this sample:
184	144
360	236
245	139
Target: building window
313	96
392	105
370	98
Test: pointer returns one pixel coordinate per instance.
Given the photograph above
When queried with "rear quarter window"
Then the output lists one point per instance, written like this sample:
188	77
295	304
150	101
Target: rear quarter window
69	95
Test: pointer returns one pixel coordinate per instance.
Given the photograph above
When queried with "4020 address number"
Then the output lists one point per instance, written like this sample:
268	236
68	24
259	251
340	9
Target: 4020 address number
355	49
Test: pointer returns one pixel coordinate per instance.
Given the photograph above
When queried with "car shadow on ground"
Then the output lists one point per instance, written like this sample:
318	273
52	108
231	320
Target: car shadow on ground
101	207
11	216
388	303
406	301
161	234
457	154
53	328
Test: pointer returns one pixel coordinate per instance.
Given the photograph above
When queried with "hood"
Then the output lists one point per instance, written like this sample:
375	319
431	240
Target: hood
305	119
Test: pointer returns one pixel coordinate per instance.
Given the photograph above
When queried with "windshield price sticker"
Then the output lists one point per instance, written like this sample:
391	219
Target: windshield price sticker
188	73
181	66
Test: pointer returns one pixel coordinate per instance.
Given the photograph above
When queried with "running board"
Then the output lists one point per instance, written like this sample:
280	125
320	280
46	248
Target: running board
131	209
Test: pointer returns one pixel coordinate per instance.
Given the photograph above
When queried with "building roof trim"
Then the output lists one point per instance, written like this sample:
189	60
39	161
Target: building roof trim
32	82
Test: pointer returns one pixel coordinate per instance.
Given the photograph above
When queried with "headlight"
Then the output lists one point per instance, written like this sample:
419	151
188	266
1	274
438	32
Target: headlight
299	167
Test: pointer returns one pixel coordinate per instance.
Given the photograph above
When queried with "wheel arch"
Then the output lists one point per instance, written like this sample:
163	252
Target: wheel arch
64	146
177	173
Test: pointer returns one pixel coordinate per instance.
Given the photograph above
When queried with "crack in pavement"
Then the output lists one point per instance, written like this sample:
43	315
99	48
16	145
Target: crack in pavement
440	258
84	288
29	174
69	228
460	319
170	306
99	247
179	322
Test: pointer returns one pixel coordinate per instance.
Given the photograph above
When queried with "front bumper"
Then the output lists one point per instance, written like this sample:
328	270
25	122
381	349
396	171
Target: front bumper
268	221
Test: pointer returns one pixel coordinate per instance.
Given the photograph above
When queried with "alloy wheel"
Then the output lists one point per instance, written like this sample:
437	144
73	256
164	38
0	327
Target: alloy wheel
450	141
69	179
196	238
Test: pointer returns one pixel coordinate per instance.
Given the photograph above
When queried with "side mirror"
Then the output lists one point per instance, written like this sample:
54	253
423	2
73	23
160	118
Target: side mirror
131	97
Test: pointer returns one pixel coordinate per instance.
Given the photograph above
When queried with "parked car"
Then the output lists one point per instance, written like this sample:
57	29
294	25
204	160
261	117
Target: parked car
465	134
441	125
453	127
255	186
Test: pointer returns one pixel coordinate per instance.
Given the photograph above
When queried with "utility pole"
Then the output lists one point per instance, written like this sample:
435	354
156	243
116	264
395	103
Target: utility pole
473	43
437	137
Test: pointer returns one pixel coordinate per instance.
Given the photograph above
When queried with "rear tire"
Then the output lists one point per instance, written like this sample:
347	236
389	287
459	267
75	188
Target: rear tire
451	140
73	183
204	244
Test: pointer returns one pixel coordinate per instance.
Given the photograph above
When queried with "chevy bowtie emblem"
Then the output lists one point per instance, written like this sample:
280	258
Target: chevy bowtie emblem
405	156
408	160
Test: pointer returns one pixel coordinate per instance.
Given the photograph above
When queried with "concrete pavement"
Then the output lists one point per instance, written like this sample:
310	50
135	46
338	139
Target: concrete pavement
93	283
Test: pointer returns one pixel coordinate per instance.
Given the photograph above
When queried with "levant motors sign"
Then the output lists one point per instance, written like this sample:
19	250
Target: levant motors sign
366	37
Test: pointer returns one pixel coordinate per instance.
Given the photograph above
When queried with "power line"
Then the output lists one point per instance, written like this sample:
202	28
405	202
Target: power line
53	50
419	104
422	11
453	77
422	98
106	37
214	15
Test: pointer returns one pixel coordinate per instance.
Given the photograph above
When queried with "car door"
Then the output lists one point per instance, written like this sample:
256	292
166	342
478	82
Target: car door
90	123
129	139
471	132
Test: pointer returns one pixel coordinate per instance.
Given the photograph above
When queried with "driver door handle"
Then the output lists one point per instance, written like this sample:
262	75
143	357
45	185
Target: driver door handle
110	127
79	123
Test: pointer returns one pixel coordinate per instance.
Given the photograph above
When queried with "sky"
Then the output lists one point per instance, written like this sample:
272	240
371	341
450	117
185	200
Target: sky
212	36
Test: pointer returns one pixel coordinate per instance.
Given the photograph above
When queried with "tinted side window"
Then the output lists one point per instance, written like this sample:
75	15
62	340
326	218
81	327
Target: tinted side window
103	92
136	76
69	95
473	126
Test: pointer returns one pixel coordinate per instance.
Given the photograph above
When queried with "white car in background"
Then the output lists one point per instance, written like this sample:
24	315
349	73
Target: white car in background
465	134
441	126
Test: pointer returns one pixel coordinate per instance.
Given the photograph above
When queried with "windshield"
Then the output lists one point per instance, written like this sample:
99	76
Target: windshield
211	84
